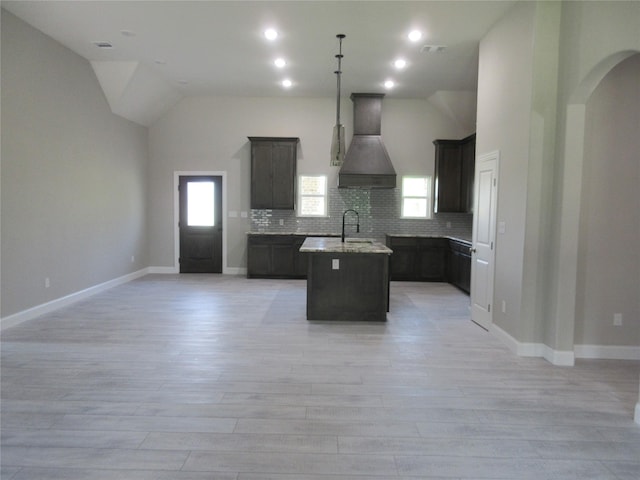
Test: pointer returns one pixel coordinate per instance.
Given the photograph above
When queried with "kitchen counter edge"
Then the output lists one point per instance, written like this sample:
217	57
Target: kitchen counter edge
335	245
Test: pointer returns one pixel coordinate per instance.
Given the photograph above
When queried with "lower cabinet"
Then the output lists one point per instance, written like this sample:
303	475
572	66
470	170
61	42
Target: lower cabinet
276	256
418	258
459	265
430	259
269	256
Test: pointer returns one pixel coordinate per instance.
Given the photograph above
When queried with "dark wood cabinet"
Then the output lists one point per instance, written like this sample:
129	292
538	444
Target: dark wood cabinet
358	290
276	256
402	264
270	256
273	172
459	265
454	171
430	259
300	260
418	258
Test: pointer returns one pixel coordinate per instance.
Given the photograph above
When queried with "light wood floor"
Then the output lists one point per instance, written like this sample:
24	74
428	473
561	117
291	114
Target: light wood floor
201	377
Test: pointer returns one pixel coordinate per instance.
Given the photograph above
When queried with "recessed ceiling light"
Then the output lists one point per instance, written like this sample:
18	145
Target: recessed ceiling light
415	35
389	84
286	83
160	62
128	33
280	62
400	63
270	34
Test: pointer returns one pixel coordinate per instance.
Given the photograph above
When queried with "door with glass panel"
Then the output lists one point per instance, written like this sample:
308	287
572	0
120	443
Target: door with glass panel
200	224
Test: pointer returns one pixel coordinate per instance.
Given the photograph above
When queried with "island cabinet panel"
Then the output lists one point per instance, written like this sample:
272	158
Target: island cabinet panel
347	286
273	172
300	259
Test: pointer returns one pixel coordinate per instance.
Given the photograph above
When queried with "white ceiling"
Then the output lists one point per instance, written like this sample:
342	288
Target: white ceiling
182	48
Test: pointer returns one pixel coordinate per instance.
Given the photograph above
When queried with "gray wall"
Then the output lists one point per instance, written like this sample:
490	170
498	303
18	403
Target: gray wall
505	86
73	175
210	134
609	264
537	65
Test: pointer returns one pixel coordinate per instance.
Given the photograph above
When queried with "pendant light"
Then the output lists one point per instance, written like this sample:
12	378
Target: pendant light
337	142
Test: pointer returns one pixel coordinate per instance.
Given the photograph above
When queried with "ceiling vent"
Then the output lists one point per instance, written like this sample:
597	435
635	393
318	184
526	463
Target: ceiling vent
103	44
433	48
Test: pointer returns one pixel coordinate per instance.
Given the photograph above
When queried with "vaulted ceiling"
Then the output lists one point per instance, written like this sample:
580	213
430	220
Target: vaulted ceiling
161	51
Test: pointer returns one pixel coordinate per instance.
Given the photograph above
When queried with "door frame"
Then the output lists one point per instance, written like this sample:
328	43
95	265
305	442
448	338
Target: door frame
493	156
176	213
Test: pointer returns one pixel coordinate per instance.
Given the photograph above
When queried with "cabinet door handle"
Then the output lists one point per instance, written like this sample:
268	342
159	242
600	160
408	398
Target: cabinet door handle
472	250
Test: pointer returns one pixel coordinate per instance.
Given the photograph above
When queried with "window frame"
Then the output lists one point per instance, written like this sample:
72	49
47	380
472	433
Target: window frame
324	196
428	197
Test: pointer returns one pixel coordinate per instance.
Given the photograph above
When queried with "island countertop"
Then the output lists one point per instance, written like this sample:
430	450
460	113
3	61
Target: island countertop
350	245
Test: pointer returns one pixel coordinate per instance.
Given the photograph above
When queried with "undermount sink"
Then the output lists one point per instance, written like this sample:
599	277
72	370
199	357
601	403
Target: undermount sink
362	241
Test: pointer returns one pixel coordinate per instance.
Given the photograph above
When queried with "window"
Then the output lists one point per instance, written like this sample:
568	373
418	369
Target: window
200	204
312	196
416	197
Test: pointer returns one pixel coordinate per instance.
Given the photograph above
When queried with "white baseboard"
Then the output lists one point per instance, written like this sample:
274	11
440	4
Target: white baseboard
561	358
611	352
565	357
23	316
528	349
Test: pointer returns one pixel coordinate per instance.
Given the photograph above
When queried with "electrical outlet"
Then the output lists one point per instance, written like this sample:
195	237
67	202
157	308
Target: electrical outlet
281	222
504	306
335	264
617	319
47	282
133	258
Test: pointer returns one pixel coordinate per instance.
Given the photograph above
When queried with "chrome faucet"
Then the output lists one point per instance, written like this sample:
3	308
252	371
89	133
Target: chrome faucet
357	224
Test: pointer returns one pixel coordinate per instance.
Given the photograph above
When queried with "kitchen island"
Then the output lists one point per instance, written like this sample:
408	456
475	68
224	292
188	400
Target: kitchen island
347	281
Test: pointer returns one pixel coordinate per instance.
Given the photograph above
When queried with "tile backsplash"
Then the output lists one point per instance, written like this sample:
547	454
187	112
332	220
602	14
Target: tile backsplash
379	211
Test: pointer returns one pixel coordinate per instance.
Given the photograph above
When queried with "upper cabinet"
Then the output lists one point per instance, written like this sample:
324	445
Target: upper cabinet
273	172
455	163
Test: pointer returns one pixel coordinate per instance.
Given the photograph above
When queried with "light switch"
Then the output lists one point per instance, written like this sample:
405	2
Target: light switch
502	227
335	264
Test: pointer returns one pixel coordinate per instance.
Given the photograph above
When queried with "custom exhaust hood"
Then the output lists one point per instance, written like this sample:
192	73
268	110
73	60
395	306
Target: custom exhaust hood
367	163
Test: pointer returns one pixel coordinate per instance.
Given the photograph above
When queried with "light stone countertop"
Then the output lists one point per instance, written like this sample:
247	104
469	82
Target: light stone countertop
330	234
302	234
351	245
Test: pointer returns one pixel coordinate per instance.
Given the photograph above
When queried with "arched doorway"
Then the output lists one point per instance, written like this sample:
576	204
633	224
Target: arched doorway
571	289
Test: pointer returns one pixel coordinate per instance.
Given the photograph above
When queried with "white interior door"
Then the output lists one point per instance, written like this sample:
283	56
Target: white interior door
483	238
